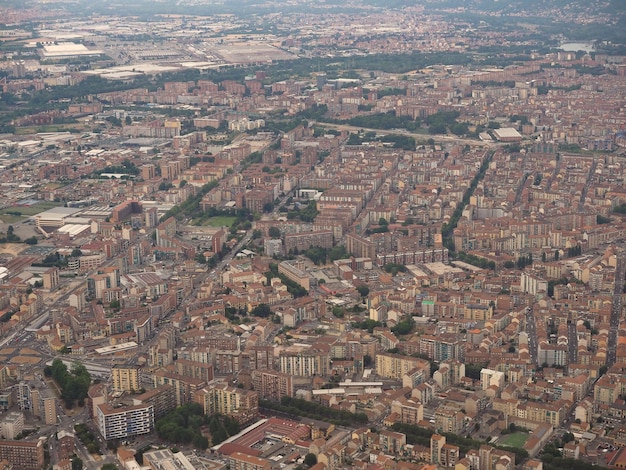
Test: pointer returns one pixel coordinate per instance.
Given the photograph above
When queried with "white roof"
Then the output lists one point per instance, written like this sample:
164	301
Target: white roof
505	132
59	213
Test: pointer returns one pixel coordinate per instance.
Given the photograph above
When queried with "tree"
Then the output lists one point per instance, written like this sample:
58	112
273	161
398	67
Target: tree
367	360
274	232
404	327
363	290
261	310
310	459
77	463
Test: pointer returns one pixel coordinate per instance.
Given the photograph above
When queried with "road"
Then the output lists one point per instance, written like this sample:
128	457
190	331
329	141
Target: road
620	271
590	178
572	343
531	330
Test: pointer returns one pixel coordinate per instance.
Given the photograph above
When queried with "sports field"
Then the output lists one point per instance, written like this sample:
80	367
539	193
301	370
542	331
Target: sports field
17	213
517	439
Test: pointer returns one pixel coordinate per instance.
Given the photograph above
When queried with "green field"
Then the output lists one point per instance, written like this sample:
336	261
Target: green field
11	219
217	221
517	439
10	214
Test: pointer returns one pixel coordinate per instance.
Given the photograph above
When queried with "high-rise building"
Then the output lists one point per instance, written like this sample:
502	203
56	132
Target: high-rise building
126	378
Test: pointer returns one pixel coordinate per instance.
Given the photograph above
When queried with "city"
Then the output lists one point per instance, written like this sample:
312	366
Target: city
267	236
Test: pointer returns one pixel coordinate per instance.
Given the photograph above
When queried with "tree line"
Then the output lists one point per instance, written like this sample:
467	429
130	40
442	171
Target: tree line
312	410
421	436
74	385
184	424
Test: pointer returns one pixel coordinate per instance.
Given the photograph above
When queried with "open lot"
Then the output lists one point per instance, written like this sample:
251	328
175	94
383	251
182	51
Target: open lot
18	213
13	249
217	221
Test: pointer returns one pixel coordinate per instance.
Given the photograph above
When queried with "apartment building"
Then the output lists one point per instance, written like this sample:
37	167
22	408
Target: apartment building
395	366
295	272
304	363
162	399
184	387
392	442
442	347
299	242
272	385
239	461
12	424
436	447
410	411
25	455
125	421
242	405
449	420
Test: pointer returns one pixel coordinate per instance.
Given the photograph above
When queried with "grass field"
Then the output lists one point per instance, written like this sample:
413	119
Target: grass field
25	211
517	439
217	221
49	128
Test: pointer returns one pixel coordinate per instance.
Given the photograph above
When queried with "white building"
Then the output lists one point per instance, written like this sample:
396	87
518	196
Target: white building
489	377
12	425
125	421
